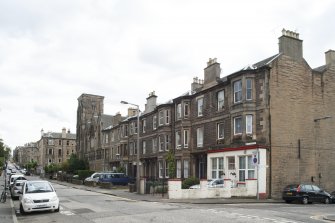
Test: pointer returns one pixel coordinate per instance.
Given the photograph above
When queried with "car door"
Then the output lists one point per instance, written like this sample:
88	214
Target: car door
319	196
310	192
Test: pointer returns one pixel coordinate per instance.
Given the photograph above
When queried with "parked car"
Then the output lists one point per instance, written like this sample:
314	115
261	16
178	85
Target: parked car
214	183
94	177
114	178
38	196
14	177
17	186
305	193
333	196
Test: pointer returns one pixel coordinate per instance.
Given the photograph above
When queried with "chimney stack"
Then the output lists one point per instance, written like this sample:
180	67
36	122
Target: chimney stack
330	57
63	133
290	44
196	84
212	73
151	102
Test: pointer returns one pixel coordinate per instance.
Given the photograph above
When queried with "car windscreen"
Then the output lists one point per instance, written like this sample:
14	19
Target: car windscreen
38	187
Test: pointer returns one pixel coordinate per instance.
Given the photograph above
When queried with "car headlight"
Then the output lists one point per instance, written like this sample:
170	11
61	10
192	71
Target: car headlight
27	200
54	198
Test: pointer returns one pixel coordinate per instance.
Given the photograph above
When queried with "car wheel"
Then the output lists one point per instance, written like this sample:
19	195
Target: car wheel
288	201
327	200
305	200
57	210
22	210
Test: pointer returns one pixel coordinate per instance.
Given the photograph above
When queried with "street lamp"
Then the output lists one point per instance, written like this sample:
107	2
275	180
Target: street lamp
317	123
318	119
137	145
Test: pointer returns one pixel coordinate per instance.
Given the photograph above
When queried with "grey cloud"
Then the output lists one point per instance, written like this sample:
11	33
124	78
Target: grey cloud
50	112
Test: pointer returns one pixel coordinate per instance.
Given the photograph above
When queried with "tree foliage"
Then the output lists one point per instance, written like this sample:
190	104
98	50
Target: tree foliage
31	165
5	152
76	164
51	168
171	164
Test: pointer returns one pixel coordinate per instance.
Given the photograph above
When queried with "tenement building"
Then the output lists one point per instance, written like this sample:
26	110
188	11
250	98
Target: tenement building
272	121
26	154
56	147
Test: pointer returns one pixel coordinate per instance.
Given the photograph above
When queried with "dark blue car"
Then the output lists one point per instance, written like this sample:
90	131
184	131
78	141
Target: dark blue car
114	178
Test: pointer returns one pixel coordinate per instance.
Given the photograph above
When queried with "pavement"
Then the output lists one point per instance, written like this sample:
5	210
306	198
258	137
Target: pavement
7	211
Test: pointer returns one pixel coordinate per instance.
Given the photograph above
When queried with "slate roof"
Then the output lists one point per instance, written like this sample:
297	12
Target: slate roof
321	69
57	135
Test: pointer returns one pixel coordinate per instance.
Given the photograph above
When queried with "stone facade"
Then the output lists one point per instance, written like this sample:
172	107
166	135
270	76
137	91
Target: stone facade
27	153
56	147
279	104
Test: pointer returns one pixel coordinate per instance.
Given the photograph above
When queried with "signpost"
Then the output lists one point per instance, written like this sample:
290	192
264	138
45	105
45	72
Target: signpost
255	161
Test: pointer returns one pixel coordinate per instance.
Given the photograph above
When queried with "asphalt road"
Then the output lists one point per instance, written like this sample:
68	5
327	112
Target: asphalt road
87	206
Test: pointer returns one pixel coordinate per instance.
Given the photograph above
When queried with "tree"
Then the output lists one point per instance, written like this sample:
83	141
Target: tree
5	152
76	164
171	164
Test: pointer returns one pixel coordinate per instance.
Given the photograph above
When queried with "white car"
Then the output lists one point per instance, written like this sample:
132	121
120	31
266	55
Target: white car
215	183
14	177
94	177
38	196
16	188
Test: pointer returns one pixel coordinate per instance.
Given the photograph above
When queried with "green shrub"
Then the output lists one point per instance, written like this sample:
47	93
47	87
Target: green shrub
161	189
189	182
84	173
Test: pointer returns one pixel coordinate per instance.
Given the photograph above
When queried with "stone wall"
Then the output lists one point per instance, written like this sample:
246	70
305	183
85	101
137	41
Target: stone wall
301	145
249	189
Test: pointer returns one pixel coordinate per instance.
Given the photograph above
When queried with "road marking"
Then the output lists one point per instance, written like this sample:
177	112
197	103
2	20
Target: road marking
253	217
65	212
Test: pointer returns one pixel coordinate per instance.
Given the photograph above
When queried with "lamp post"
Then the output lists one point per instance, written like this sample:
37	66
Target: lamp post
317	120
137	146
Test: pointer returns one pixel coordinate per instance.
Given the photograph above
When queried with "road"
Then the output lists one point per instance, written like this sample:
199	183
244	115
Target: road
81	206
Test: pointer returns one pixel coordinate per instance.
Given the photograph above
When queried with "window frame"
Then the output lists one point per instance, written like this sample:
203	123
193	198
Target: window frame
240	127
218	169
154	122
248	169
249	124
144	147
186	168
220	103
248	89
178	139
186	138
178	169
144	125
200	106
167	116
200	137
186	109
237	91
220	127
154	145
161	117
178	109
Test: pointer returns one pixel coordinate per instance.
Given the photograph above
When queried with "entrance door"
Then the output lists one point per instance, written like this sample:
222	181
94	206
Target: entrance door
202	168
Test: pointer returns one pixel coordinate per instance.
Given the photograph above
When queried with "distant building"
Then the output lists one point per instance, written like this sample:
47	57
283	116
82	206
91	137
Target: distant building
56	147
26	154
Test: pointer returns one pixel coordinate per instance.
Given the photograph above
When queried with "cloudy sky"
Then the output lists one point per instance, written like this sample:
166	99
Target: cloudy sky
53	51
